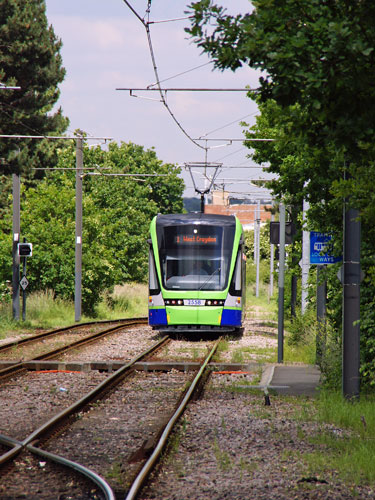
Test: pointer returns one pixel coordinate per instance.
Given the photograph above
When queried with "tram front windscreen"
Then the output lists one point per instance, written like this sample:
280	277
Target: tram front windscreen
195	256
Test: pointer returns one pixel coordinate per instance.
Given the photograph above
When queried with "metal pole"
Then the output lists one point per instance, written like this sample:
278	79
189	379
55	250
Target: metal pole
202	203
24	289
257	250
272	256
16	239
255	235
78	243
351	303
280	335
305	260
321	310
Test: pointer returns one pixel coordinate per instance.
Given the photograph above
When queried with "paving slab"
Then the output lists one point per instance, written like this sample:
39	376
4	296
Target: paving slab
295	380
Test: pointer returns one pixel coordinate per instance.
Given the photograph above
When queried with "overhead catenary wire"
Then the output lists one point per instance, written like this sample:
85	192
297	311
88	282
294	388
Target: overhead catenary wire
3	86
228	124
163	91
171	20
162	96
178	74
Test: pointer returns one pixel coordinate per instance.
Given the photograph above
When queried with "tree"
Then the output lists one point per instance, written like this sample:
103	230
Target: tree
317	61
29	58
117	212
319	54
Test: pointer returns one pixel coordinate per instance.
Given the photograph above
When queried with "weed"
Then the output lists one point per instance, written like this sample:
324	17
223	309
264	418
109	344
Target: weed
300	433
223	424
180	469
349	446
237	356
174	444
184	424
223	346
245	466
222	457
115	473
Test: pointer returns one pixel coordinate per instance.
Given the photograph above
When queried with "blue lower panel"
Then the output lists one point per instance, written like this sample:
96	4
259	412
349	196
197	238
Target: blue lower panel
157	317
231	317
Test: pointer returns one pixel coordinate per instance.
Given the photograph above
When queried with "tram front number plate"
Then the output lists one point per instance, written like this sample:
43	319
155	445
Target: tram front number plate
194	302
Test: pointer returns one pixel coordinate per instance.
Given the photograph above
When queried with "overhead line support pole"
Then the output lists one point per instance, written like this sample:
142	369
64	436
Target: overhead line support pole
78	241
272	257
16	239
280	335
351	304
257	249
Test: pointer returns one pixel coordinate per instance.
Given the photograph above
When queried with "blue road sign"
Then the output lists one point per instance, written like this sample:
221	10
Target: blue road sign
321	248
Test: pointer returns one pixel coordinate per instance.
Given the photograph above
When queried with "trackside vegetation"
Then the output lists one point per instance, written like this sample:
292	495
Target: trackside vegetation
45	310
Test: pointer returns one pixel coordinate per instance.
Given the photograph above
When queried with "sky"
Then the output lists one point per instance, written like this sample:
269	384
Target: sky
105	47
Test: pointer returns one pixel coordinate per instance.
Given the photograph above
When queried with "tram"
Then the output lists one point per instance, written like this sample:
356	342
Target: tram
196	273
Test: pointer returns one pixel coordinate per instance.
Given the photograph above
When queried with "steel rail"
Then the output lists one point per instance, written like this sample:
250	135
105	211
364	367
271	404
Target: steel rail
91	475
92	395
18	368
50	333
78	405
10	454
149	465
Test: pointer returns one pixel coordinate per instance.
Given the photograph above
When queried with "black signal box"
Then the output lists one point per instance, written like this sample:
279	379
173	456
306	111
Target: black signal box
290	231
25	249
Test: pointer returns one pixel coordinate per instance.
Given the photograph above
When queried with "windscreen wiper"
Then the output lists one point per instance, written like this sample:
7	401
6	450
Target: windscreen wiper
209	278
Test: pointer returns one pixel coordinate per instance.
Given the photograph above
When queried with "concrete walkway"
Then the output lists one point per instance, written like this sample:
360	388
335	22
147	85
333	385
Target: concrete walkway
294	380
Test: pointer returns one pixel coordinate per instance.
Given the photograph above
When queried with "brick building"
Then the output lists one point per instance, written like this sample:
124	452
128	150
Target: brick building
245	212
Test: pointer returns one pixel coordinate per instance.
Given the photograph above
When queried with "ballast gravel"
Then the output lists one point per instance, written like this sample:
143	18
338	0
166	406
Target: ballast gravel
229	445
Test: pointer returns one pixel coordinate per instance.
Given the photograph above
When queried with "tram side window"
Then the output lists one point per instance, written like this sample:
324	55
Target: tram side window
153	283
238	281
236	284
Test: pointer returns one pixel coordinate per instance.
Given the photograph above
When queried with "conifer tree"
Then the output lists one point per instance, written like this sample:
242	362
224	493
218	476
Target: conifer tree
29	58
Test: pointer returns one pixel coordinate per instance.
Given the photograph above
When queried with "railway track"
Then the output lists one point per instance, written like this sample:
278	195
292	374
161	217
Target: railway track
18	367
46	433
228	444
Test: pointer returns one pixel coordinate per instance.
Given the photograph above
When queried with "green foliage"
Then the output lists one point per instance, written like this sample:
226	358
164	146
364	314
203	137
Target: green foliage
317	99
303	328
116	215
264	243
45	310
319	54
350	446
29	58
264	272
